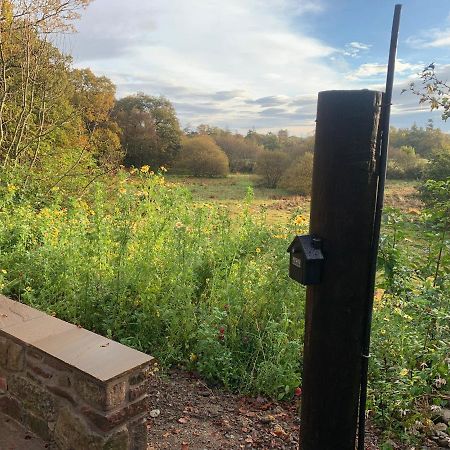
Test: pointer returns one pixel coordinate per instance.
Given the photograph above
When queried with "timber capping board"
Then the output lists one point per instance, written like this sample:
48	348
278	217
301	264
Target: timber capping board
94	355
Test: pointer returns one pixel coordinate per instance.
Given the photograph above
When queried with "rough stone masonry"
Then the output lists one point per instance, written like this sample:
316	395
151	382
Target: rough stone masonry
72	387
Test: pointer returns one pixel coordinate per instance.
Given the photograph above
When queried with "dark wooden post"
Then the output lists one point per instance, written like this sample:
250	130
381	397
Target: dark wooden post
342	214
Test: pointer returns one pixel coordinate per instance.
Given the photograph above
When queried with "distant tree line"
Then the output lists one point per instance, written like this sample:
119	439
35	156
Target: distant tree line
64	126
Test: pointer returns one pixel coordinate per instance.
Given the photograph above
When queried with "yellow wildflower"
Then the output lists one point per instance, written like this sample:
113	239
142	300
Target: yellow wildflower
4	271
300	220
145	169
193	357
258	250
403	372
163	169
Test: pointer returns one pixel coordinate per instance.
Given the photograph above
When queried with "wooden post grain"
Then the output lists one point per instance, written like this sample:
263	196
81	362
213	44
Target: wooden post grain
342	214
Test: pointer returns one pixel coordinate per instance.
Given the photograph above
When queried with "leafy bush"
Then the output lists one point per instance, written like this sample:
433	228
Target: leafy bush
298	177
271	166
439	166
403	163
242	153
202	157
156	271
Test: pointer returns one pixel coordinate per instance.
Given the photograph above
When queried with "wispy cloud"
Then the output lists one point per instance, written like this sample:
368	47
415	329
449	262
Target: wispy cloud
434	38
229	59
353	49
375	70
233	63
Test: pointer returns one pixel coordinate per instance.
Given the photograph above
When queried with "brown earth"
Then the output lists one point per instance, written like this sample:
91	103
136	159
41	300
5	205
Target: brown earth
190	415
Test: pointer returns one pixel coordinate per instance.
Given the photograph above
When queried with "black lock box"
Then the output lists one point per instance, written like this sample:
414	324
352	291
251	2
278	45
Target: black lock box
306	259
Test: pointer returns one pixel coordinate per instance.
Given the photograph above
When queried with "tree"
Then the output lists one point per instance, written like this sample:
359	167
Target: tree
432	90
271	166
37	117
423	140
438	168
298	177
151	131
202	157
94	97
242	153
405	164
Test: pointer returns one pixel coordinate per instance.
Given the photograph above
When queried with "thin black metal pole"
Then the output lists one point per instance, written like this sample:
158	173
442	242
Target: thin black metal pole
386	114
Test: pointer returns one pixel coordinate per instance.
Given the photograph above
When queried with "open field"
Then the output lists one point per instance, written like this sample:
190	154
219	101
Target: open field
278	204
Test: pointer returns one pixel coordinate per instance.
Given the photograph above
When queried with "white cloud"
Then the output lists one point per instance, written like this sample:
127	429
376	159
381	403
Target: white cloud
354	49
434	38
375	70
192	51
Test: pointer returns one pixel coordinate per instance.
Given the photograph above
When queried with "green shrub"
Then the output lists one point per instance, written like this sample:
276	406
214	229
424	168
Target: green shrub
270	166
298	177
202	157
156	271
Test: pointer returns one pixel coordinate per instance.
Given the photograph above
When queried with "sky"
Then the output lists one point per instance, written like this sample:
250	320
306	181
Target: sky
243	64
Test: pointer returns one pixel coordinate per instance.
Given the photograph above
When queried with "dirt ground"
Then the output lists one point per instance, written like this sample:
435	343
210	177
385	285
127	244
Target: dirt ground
189	415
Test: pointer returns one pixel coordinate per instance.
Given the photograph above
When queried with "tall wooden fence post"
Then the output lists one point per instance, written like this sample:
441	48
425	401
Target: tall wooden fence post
342	214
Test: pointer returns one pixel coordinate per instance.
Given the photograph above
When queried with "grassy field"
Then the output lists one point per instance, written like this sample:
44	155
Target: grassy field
278	204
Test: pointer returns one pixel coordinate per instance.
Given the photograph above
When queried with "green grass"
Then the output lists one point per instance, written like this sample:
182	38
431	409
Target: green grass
278	205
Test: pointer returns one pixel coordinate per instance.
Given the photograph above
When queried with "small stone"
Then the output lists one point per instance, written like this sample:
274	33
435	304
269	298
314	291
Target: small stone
155	413
440	427
445	415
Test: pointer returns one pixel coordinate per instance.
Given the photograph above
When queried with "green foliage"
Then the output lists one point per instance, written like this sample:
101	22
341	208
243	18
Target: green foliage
410	370
298	177
423	140
439	166
154	270
201	156
151	132
403	163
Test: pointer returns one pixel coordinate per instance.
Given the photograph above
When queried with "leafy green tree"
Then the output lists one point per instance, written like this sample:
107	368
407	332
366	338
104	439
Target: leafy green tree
423	140
405	164
271	166
151	131
202	157
439	166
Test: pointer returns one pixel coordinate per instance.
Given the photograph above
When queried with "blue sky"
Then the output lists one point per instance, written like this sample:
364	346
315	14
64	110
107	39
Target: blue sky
260	63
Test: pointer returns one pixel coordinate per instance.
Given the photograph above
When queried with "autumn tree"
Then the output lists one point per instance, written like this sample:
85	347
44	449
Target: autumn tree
298	177
432	89
271	166
94	97
202	157
242	153
151	131
36	116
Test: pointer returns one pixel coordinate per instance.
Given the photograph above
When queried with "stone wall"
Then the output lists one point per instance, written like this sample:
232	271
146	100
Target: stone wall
54	397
